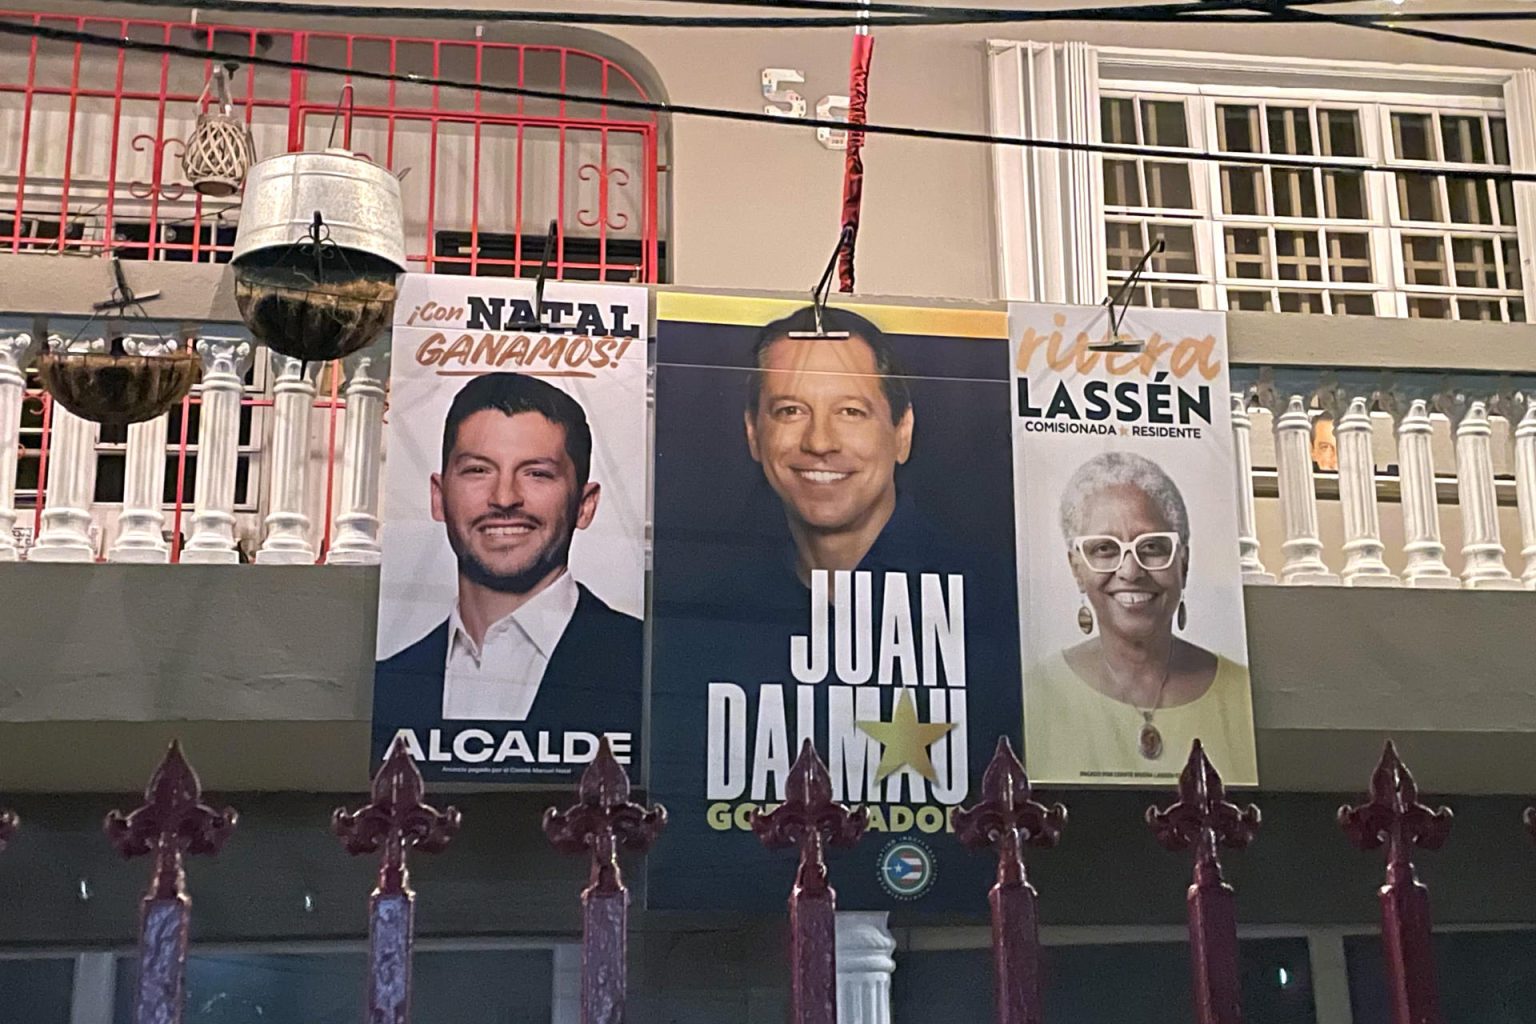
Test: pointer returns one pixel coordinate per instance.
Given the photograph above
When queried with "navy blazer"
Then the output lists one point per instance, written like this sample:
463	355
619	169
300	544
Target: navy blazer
592	682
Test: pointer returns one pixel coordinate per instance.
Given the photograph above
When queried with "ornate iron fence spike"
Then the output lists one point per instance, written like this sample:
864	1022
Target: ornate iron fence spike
1006	819
810	820
1203	820
1394	818
602	822
395	821
171	823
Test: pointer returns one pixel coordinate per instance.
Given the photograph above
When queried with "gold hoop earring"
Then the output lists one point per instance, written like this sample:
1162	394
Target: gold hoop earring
1085	617
1183	614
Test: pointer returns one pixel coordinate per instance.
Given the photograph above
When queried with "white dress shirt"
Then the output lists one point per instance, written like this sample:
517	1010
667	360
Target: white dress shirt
499	679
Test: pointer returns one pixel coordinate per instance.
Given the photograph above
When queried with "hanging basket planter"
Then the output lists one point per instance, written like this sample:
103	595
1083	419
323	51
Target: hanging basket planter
119	380
220	150
320	242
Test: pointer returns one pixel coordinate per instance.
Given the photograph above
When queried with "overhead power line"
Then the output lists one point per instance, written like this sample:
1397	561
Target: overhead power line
716	113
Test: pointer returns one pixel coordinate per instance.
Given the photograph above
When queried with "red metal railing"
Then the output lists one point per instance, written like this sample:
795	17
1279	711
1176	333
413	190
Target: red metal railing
90	144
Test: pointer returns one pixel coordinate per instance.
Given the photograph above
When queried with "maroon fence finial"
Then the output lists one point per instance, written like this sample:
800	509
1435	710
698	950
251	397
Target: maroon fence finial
171	823
1393	817
601	823
1203	819
1006	819
811	820
396	820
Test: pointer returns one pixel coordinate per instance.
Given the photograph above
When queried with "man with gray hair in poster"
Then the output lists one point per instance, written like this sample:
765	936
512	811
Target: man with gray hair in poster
525	640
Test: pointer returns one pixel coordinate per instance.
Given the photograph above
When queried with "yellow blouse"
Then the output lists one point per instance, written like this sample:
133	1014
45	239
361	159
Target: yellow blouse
1074	733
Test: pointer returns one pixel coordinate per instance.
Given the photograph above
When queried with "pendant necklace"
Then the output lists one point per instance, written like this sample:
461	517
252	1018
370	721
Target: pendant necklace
1150	740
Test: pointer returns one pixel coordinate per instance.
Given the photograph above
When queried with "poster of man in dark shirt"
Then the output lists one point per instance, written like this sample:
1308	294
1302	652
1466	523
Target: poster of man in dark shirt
858	504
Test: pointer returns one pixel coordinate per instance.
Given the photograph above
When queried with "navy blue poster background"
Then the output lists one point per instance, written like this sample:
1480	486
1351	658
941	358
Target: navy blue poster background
727	600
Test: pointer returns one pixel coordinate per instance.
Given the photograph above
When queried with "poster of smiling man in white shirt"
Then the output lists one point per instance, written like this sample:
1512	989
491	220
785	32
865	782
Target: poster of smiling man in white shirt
512	580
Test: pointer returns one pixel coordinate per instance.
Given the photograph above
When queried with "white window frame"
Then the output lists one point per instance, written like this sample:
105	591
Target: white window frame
1023	101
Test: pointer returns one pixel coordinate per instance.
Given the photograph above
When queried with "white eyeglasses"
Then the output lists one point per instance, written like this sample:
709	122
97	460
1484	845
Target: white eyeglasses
1103	553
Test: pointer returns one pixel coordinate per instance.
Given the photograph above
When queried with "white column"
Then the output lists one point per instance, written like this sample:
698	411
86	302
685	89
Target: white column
1525	488
15	351
1482	549
65	535
287	524
95	989
565	982
218	440
1421	514
1247	522
355	539
1298	497
864	967
1363	566
1050	204
1330	976
139	524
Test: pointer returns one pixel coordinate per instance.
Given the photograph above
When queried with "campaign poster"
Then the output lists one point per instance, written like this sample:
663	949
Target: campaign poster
833	561
1130	597
515	482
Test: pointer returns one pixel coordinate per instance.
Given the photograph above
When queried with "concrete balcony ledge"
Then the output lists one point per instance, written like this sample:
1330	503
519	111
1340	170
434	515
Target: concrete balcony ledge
265	672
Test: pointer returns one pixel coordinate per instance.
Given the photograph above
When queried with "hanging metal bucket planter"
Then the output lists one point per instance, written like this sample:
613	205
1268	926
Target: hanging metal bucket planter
220	149
320	242
118	380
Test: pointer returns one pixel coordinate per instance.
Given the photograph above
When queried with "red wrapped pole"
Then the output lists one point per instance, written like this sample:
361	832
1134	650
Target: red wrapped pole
853	165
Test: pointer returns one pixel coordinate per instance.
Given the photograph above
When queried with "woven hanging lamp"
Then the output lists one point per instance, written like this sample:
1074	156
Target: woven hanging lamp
220	149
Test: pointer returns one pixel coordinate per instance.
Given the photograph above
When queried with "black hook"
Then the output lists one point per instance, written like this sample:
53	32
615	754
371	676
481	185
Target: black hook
1119	302
823	291
350	102
537	322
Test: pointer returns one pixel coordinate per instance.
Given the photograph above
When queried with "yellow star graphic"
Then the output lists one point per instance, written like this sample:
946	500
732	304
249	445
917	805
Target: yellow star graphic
904	740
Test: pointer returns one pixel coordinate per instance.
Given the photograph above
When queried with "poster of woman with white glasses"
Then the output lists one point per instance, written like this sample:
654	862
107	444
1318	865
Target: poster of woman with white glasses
1131	600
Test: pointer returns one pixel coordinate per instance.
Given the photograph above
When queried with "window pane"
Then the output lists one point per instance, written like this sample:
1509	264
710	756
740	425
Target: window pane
1178	255
1257	302
1290	130
1302	302
1296	256
1500	133
1425	308
1117	120
1168	186
1479	309
1122	242
1411	137
1474	262
1517	311
1350	304
1469	200
36	991
1506	195
1248	253
1169	297
1512	276
1462	139
1242	190
1418	196
1237	129
1423	259
1344	195
1122	186
1295	193
1340	130
1162	123
1349	256
111	468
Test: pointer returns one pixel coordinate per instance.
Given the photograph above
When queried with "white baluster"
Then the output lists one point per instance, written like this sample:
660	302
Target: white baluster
864	967
355	540
1482	547
1247	521
293	402
218	441
1525	488
15	351
1363	566
139	524
1421	515
71	486
1298	498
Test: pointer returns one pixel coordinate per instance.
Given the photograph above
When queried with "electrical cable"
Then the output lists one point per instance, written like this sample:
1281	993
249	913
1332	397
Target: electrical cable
898	15
1384	25
719	113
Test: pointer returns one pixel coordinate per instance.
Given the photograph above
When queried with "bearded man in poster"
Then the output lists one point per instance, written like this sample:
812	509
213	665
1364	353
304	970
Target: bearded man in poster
524	640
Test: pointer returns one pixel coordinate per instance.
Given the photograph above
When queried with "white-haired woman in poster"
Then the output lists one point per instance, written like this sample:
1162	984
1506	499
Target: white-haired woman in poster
1130	698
